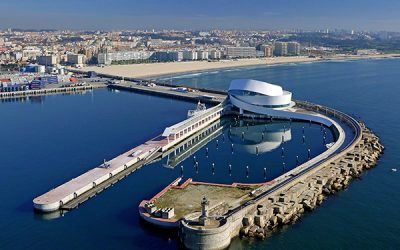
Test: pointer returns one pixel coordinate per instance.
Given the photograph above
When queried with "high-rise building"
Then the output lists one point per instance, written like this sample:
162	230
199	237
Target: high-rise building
293	48
189	55
108	57
268	50
47	60
164	56
280	49
78	59
30	53
215	54
240	52
202	55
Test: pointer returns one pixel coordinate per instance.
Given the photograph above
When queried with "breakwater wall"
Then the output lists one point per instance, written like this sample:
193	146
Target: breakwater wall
287	206
306	189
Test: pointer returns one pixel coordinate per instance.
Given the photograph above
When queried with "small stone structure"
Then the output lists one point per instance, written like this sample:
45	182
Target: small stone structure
165	213
150	207
204	220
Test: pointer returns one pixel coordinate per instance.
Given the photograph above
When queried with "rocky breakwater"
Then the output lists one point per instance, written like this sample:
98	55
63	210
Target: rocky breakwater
287	206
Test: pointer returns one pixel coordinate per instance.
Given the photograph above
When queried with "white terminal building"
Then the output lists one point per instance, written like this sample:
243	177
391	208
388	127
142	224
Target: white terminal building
254	97
247	94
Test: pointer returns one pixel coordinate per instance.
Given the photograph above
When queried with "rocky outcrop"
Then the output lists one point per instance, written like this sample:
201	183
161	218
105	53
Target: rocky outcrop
288	206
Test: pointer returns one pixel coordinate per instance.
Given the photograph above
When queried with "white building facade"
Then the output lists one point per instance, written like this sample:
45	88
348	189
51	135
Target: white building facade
240	52
254	97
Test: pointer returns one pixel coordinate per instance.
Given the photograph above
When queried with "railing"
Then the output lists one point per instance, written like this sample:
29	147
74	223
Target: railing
195	119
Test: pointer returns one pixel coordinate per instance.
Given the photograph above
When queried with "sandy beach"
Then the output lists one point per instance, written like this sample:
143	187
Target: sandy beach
158	69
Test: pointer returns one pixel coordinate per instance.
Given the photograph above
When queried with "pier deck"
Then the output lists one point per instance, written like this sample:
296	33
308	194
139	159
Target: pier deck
61	195
47	91
77	190
196	95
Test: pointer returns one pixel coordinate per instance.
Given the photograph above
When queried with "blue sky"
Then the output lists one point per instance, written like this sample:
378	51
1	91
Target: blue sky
201	14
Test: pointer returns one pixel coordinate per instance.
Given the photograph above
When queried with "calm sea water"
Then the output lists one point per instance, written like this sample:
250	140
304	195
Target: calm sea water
46	141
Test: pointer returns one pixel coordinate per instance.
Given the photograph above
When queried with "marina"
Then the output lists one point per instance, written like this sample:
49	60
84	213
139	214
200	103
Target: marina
77	190
119	205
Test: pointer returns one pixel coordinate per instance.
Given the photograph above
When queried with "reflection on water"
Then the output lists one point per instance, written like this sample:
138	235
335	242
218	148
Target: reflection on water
49	216
259	138
247	151
39	98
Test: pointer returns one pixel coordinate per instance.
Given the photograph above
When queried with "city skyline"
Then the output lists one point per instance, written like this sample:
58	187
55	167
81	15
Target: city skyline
219	14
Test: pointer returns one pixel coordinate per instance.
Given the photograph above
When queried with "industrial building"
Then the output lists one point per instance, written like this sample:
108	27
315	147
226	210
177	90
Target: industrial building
240	52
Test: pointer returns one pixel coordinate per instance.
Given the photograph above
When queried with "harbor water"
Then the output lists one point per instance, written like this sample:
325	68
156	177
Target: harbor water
48	140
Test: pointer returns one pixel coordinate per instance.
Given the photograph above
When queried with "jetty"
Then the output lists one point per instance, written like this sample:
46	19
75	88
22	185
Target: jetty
72	193
47	91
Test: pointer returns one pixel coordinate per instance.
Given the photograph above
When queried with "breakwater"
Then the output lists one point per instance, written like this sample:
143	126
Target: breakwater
287	206
300	190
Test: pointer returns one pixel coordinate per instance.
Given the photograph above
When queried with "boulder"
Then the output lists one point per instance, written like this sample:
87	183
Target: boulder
278	210
261	210
273	220
244	230
259	221
307	206
281	219
337	186
326	191
247	221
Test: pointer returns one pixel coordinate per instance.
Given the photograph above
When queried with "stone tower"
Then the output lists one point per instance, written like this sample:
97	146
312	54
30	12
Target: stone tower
204	220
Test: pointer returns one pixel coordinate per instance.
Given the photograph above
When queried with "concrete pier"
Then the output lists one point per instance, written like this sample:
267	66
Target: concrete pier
81	188
60	196
205	96
46	91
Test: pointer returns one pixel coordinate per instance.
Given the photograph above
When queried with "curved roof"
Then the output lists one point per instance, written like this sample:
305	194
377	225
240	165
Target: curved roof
256	86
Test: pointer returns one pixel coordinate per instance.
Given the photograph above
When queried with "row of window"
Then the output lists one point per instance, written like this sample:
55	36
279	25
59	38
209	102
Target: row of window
265	106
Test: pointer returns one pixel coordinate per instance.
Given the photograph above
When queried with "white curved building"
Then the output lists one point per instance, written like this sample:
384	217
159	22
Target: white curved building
260	94
257	97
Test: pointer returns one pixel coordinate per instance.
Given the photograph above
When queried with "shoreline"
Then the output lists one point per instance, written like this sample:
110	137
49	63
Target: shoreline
169	69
